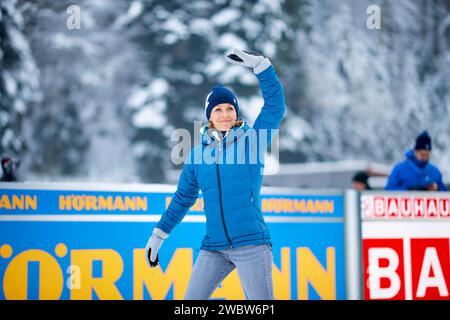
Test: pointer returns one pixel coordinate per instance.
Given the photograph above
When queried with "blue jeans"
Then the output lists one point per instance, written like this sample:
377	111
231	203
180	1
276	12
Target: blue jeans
253	264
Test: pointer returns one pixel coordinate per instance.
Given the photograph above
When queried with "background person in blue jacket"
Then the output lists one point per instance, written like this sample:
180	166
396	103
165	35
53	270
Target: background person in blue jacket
236	233
416	172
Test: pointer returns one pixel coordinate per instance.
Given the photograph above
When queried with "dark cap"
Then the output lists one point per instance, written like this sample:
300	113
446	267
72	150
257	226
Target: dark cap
423	142
362	177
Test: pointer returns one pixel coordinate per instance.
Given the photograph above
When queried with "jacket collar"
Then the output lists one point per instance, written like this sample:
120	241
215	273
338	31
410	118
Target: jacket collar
210	136
416	164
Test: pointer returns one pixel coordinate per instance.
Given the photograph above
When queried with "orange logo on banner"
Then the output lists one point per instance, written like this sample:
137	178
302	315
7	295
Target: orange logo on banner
80	280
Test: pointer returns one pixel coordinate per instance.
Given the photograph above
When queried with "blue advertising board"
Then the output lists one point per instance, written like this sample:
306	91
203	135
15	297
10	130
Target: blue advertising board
87	242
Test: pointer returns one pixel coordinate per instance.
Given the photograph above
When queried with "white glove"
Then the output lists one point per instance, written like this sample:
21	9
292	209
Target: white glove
250	59
153	245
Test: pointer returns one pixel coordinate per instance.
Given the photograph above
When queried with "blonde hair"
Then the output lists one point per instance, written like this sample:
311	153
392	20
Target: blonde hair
238	123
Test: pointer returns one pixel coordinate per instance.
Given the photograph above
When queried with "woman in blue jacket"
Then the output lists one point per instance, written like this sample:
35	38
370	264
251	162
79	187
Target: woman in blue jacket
227	167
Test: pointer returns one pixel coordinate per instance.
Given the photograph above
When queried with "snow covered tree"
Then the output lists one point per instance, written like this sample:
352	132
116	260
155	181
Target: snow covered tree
58	140
184	44
114	90
85	73
19	89
367	93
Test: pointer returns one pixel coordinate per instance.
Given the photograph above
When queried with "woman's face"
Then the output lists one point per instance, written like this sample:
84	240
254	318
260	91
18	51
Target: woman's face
223	116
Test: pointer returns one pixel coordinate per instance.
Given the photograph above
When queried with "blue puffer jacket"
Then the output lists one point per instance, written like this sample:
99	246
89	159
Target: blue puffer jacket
229	174
408	175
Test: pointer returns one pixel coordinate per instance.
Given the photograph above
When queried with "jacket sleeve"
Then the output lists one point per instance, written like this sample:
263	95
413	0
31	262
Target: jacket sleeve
274	105
440	183
268	121
184	198
393	182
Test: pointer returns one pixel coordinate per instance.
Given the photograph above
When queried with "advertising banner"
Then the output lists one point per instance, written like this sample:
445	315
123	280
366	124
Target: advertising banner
406	245
66	241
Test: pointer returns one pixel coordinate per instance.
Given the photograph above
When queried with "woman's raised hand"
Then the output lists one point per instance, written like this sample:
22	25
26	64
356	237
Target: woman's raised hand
250	59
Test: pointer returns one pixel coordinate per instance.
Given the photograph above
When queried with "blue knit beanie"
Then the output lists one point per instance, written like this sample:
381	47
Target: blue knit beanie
217	96
423	141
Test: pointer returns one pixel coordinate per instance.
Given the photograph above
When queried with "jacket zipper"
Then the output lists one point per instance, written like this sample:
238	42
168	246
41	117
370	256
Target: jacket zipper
221	205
